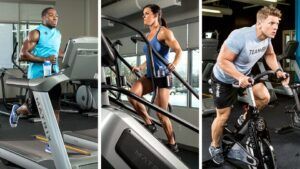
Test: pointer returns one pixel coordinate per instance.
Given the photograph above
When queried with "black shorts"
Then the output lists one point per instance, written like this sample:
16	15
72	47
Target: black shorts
224	94
163	82
54	95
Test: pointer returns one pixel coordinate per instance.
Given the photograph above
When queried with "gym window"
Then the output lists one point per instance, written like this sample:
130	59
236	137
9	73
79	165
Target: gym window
195	76
20	32
179	92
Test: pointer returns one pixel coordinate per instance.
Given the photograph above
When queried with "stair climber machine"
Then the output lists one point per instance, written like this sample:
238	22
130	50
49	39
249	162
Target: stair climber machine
81	53
124	140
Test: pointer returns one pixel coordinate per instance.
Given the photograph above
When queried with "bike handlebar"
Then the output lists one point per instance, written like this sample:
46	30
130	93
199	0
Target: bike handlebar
254	79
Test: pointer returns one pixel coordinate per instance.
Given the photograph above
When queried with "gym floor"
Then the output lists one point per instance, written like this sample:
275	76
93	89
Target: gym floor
25	129
287	147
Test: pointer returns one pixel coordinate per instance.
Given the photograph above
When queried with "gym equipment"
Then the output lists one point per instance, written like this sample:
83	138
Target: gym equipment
289	53
294	111
209	58
257	151
4	72
87	138
125	142
81	52
268	84
45	140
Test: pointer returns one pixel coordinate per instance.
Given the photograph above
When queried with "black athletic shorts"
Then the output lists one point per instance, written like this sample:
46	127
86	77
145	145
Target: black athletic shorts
54	95
163	82
224	94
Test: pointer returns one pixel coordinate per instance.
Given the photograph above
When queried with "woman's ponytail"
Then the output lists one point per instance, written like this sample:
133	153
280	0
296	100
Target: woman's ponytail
163	22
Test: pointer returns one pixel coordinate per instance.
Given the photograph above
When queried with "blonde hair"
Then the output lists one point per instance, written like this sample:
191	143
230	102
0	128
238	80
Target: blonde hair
264	12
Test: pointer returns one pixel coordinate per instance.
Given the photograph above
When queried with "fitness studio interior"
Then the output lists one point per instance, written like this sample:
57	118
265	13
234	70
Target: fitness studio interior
127	142
253	142
36	139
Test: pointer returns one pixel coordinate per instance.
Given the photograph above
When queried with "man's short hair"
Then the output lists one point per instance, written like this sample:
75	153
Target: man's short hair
45	11
264	12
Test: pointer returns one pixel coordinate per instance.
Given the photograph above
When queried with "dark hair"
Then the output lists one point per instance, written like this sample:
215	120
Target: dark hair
157	10
45	11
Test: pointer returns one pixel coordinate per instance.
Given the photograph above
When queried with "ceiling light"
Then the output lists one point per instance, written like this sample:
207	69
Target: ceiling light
271	0
211	10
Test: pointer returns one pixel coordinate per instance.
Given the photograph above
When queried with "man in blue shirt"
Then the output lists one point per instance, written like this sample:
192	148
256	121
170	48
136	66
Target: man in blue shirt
42	44
238	54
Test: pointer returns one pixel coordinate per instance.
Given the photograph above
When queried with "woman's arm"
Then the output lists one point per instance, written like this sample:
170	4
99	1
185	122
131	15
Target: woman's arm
168	37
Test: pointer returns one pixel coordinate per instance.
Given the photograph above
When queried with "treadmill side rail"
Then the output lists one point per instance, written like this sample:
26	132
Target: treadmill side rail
51	129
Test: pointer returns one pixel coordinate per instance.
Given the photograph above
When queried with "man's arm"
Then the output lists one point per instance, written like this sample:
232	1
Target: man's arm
61	53
271	59
272	62
225	61
28	46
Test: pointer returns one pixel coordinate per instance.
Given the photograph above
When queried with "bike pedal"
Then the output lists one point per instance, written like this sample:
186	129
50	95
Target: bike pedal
238	152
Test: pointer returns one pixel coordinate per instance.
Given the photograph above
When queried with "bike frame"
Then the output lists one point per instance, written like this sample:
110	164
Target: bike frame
250	125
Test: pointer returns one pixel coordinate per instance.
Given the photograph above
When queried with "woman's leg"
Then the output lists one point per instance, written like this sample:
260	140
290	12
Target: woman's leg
141	87
162	100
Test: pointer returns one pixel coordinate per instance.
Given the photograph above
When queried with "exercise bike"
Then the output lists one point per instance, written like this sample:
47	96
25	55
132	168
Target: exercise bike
293	111
250	143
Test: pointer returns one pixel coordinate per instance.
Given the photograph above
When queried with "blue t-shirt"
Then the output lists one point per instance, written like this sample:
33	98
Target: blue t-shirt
162	49
248	48
48	44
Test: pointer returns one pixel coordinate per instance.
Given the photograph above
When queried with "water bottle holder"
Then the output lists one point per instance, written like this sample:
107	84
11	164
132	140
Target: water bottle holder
164	82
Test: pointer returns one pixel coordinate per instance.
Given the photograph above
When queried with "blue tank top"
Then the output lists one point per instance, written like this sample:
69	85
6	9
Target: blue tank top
48	44
162	49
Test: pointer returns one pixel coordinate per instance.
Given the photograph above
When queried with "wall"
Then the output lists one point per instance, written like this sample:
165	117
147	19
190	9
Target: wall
74	15
247	17
175	15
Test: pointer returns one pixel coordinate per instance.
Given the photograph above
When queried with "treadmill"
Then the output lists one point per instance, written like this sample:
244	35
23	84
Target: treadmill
87	138
80	52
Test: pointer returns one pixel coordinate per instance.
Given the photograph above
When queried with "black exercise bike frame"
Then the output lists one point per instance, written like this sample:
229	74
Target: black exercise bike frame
250	125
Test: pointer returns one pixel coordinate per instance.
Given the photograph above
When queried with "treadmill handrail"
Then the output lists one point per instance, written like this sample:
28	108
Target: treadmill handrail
154	107
18	82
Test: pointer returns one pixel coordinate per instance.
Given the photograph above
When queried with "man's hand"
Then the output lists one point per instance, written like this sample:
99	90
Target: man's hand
283	75
52	59
244	81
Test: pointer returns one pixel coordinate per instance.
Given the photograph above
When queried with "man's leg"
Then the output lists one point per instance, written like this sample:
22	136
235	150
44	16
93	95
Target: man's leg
26	109
217	128
261	95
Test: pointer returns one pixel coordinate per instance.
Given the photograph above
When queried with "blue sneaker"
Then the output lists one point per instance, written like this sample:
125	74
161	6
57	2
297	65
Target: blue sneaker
14	117
217	155
47	149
